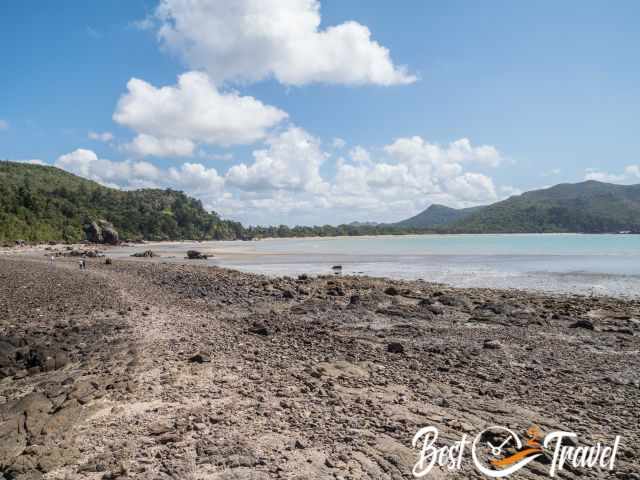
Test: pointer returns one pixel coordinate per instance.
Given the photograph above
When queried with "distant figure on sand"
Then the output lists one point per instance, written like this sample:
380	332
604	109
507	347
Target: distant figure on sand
83	264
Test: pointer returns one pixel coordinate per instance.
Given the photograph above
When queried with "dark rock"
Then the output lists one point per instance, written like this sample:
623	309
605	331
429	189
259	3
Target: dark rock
101	232
288	293
497	308
435	309
93	232
200	358
196	255
395	347
109	234
260	329
392	291
354	300
582	323
336	291
7	354
453	301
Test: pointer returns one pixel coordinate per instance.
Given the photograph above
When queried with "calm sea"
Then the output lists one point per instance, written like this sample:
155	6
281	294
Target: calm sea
587	264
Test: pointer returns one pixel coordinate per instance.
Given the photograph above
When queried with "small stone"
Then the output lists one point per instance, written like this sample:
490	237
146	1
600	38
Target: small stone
393	291
492	345
288	293
582	323
395	347
200	358
260	329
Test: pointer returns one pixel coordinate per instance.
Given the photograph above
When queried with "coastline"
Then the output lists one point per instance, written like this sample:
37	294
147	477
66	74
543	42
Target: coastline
191	370
591	265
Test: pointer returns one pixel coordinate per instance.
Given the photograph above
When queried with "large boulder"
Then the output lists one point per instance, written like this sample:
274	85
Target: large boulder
101	232
93	232
109	234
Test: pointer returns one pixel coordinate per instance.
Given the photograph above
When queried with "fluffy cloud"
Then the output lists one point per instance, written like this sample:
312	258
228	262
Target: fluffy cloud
631	174
171	119
360	155
415	150
291	162
193	178
254	39
100	136
413	174
144	144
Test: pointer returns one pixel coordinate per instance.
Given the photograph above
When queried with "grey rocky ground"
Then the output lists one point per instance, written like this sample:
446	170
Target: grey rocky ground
146	370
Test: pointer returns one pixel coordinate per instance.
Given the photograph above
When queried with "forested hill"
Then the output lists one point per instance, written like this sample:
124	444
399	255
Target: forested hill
436	216
586	207
43	203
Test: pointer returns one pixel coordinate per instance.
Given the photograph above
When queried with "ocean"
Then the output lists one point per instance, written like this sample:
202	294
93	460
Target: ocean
566	263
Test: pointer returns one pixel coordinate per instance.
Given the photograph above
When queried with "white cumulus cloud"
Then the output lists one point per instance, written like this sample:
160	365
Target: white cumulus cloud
291	162
630	174
144	144
249	40
190	177
171	119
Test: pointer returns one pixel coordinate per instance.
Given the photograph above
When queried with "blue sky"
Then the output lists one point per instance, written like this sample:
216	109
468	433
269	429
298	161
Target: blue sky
454	102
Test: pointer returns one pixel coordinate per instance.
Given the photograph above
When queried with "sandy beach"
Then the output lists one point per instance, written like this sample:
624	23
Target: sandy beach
149	370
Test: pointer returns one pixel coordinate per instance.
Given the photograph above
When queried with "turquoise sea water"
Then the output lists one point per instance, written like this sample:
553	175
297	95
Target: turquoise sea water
586	264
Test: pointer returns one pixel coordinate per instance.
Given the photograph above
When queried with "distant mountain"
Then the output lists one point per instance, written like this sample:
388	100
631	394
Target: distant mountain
586	207
436	216
43	203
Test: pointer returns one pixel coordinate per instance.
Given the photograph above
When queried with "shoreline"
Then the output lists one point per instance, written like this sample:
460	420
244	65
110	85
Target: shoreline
607	274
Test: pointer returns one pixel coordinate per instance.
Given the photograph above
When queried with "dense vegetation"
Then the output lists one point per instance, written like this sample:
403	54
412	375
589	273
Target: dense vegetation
283	231
436	216
587	207
41	203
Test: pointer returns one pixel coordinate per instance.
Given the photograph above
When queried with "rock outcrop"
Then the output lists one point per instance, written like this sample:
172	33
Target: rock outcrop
101	231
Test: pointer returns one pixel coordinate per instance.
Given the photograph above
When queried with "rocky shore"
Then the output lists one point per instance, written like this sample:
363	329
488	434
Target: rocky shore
158	371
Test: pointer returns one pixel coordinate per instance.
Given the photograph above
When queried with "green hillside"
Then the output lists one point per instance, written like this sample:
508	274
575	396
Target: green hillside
436	216
43	203
587	207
